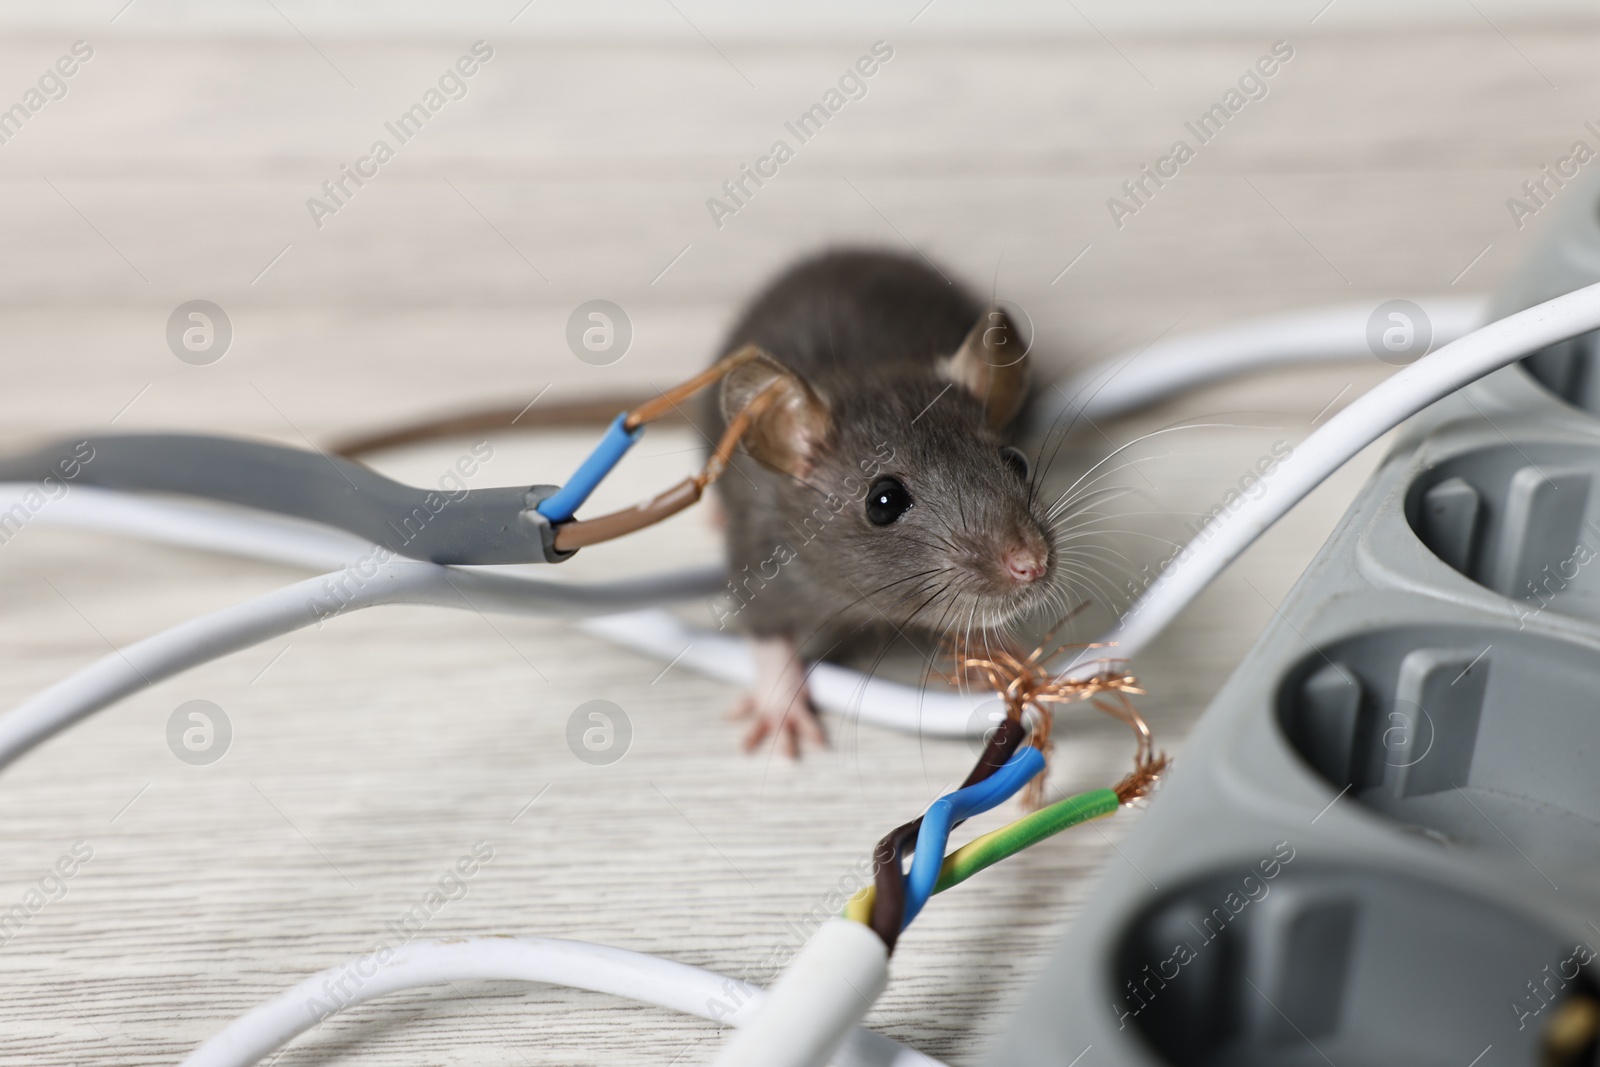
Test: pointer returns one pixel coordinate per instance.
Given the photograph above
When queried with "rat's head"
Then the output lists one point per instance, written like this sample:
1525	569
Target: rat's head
902	491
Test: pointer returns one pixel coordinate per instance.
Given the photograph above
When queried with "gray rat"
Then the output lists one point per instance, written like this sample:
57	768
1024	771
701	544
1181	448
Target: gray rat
879	496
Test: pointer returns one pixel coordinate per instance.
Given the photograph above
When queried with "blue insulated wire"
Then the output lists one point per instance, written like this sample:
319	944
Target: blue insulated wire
560	506
950	809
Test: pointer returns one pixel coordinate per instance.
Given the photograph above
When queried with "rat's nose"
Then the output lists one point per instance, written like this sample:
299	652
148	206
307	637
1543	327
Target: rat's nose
1025	565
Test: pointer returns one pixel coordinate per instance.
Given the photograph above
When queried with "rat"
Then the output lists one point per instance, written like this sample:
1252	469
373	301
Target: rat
880	498
881	495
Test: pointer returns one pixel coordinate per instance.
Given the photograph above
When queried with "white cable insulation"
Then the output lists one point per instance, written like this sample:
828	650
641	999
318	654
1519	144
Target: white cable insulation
306	603
239	626
843	691
551	961
259	535
1368	418
1167	368
822	995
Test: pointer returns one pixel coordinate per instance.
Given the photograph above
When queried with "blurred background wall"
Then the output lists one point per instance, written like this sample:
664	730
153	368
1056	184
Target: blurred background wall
579	165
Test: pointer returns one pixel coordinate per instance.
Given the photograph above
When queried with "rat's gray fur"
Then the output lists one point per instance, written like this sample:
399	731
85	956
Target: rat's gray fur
867	332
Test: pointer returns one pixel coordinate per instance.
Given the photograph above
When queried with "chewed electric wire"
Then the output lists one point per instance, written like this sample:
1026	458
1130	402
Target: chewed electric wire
988	849
624	431
1013	759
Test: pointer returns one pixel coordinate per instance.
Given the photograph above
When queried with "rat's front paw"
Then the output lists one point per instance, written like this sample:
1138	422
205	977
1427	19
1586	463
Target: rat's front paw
787	722
779	700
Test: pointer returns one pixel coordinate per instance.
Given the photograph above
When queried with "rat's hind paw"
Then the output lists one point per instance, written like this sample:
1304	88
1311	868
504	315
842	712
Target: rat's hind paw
786	723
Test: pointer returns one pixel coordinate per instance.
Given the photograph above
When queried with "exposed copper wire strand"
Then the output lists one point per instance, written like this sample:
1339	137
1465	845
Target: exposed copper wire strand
1142	778
1025	683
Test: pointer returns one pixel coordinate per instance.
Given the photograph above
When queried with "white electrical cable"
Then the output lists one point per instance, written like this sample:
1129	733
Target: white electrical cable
822	995
306	603
259	535
239	626
1369	417
1167	368
841	690
654	632
552	961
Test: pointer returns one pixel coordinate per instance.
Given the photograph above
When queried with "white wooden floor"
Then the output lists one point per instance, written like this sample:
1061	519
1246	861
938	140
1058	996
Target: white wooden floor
371	754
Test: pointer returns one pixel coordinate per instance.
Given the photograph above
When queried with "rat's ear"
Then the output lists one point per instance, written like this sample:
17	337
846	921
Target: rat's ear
992	365
788	435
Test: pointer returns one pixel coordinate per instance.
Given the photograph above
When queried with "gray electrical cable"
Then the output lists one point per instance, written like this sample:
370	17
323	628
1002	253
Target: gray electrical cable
459	526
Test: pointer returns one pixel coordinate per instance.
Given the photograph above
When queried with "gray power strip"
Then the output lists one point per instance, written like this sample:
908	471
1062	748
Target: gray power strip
1382	844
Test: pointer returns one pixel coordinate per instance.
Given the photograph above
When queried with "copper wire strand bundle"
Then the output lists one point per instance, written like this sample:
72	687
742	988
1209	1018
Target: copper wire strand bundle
1023	682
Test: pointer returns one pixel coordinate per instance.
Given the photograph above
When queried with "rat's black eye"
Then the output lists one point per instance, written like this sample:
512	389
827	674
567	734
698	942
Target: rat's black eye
1016	461
887	500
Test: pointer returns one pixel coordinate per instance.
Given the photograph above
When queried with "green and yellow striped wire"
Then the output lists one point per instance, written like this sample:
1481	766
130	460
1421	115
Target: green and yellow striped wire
996	845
